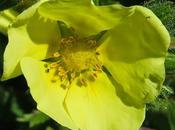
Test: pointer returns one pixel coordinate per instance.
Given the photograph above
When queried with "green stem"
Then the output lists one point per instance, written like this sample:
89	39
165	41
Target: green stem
6	18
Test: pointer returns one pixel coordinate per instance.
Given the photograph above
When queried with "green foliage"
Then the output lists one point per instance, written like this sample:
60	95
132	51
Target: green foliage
18	5
171	114
170	63
161	112
165	10
161	103
18	110
35	118
4	4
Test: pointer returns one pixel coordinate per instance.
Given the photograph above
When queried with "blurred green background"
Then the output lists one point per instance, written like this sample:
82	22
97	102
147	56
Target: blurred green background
18	109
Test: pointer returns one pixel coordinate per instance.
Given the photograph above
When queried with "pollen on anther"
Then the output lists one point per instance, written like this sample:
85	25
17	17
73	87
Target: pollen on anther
94	75
97	67
92	43
56	54
54	79
97	53
83	82
73	75
53	65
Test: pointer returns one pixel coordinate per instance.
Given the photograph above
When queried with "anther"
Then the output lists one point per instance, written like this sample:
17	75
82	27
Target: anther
70	39
94	75
83	82
72	29
97	67
62	73
61	68
53	65
54	79
73	75
63	40
75	56
56	55
97	53
64	77
92	43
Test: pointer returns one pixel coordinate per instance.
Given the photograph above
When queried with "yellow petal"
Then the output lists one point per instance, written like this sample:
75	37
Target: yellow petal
28	13
97	106
87	19
37	39
48	95
134	53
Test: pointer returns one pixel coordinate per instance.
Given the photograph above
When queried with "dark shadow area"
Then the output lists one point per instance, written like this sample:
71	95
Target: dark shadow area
156	120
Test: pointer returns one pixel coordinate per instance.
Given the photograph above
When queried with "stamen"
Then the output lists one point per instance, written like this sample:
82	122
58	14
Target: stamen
73	75
71	39
62	73
94	75
98	67
76	58
63	40
97	53
53	65
61	68
54	79
92	44
65	84
56	55
83	82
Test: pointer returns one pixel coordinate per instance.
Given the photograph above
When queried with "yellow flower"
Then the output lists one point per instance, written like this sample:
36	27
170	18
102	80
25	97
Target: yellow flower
89	67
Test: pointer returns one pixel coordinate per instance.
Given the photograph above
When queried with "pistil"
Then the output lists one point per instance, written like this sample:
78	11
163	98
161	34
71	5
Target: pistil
75	57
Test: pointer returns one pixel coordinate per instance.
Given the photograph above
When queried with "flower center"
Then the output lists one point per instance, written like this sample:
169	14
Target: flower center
75	57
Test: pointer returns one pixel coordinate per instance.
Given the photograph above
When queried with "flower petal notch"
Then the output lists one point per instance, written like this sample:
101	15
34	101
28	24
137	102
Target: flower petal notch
134	52
82	105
